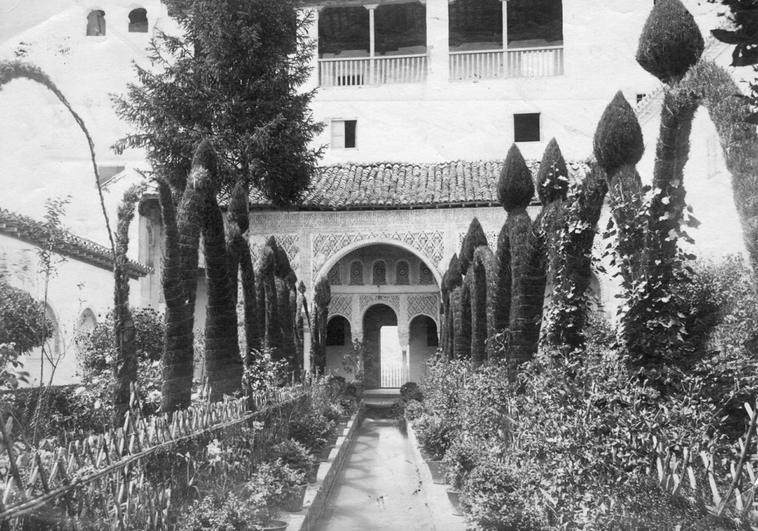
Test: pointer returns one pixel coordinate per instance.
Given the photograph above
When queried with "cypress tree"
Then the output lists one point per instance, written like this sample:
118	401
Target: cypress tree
222	356
482	270
125	369
322	296
515	191
670	42
474	238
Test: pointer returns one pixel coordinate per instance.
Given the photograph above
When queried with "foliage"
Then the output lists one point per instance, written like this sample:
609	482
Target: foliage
473	239
312	430
232	75
743	34
651	322
272	483
618	138
411	391
463	456
353	361
22	319
213	514
515	187
96	355
670	42
435	435
293	455
263	373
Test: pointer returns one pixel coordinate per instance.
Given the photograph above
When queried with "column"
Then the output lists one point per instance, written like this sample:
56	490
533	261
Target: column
356	319
372	40
437	42
505	23
403	335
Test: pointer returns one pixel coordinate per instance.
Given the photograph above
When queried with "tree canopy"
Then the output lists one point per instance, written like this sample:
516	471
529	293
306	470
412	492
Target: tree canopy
231	76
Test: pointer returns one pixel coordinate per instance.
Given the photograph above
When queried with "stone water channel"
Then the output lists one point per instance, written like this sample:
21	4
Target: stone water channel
383	487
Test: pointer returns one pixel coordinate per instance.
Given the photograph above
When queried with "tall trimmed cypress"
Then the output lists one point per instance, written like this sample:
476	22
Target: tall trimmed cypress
515	192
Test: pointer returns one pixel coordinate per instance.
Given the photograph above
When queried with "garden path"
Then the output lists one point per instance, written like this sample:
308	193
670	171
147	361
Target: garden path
380	486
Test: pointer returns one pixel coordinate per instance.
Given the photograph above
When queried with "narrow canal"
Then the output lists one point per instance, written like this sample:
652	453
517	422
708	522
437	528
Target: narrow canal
380	486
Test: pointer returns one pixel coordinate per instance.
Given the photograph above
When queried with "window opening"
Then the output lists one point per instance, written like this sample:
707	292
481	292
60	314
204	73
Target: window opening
344	133
401	273
425	275
356	274
138	20
380	273
526	127
96	23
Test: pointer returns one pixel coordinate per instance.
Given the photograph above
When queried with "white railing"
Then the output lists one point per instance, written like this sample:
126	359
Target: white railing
381	70
500	64
394	375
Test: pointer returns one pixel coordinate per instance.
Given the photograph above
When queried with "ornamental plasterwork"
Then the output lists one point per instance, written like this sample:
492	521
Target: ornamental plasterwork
423	305
393	301
271	222
429	243
342	305
289	242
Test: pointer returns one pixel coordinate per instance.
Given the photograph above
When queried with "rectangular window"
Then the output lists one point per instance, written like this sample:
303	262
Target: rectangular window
526	127
344	134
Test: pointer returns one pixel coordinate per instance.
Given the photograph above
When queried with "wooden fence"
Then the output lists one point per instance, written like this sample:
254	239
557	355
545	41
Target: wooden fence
108	481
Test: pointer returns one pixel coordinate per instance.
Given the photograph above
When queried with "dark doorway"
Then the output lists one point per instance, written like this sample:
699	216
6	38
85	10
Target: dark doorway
373	320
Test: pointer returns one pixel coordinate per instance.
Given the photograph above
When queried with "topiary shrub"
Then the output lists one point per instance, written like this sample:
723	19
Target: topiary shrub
618	138
474	239
411	391
670	42
515	188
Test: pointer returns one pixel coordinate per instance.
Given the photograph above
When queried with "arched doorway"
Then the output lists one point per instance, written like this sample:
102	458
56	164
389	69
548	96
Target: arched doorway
383	357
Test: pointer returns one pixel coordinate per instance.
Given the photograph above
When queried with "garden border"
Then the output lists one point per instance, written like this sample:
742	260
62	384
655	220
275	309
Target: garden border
436	495
317	494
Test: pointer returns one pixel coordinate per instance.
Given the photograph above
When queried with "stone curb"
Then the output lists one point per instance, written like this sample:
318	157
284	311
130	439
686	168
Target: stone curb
436	495
317	493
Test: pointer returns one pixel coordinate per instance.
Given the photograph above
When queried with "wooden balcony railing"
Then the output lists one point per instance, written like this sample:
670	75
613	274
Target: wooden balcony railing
500	64
382	70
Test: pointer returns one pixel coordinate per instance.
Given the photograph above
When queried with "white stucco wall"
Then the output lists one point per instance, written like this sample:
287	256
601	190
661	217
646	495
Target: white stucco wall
74	288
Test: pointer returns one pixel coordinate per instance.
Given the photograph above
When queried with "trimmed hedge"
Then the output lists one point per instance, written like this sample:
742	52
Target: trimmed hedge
618	138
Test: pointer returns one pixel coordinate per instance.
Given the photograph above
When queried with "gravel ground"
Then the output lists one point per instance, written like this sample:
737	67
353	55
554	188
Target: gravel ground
380	486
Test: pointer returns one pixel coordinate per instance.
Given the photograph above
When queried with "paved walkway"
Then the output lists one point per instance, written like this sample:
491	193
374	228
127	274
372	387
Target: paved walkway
380	486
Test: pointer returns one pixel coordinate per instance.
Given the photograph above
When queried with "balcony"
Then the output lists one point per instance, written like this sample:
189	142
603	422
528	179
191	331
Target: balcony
473	65
382	70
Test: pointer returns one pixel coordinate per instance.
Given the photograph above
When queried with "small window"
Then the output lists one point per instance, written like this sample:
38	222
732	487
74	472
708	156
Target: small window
138	20
526	127
401	273
356	274
380	273
343	134
640	97
335	275
96	23
425	275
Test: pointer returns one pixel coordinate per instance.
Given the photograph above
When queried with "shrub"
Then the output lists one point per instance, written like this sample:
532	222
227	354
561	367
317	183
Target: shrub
292	454
500	494
474	238
412	410
211	514
618	138
22	319
272	483
670	42
462	457
312	430
411	391
435	435
515	187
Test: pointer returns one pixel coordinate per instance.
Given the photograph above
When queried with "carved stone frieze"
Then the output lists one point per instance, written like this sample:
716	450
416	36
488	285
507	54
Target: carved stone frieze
393	301
428	243
423	305
342	305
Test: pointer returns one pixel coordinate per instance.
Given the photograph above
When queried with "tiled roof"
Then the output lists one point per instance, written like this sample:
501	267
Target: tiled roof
393	185
66	244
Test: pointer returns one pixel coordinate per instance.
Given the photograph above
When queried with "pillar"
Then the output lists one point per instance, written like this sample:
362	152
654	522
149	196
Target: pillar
505	23
437	42
372	41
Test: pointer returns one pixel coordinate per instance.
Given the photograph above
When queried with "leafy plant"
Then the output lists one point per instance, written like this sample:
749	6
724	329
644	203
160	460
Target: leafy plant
293	455
212	514
435	435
